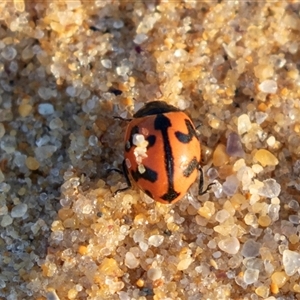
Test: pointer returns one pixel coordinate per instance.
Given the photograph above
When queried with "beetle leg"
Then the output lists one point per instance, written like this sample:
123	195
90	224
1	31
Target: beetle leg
125	173
203	191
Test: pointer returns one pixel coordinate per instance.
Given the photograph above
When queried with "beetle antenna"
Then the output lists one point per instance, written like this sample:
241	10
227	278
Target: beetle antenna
122	119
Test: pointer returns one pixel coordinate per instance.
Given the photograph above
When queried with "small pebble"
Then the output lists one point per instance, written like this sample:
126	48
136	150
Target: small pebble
2	130
207	210
131	261
156	240
244	124
230	186
140	38
234	147
222	215
2	177
184	263
291	262
32	163
71	91
264	221
265	158
143	246
25	110
268	86
51	294
9	53
260	117
154	274
271	188
138	236
271	141
45	109
19	210
110	267
106	63
279	278
6	220
230	245
250	248
55	124
46	93
262	291
251	275
220	157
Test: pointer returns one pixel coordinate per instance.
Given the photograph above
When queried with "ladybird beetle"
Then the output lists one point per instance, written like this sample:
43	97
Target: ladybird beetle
162	152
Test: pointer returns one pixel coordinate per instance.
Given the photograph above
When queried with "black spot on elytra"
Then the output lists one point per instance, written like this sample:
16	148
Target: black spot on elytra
170	195
192	166
186	138
148	193
162	123
151	139
149	175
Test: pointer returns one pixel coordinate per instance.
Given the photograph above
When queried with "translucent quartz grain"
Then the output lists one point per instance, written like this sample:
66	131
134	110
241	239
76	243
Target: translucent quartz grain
234	147
140	38
230	245
251	275
154	273
271	188
156	240
291	262
207	210
244	124
268	86
262	291
106	63
184	263
222	215
250	249
230	186
131	261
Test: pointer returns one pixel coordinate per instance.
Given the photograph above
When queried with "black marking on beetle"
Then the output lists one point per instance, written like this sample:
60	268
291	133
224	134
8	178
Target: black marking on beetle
170	195
149	175
151	139
192	166
129	143
186	138
162	123
148	193
155	108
